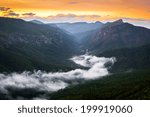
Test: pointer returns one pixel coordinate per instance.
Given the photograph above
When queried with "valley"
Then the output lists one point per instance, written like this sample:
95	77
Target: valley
73	60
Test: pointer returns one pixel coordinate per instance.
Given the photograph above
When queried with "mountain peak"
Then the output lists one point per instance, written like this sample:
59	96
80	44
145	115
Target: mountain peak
117	22
98	22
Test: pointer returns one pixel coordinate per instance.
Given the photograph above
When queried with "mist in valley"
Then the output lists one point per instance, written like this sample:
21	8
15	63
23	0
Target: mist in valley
40	81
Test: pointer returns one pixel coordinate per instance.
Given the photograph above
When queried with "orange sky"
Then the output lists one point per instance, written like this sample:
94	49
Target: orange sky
76	10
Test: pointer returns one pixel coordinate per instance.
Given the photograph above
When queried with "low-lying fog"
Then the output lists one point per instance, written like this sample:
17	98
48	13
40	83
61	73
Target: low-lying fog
49	82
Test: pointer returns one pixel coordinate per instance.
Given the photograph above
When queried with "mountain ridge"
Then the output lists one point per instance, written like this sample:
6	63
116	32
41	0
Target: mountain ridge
78	27
117	35
28	46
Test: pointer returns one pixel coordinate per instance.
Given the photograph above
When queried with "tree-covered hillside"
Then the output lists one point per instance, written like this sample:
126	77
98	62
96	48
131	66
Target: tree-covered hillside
123	86
129	59
28	46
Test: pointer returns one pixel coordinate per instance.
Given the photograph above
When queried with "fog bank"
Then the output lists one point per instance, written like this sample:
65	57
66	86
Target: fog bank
50	82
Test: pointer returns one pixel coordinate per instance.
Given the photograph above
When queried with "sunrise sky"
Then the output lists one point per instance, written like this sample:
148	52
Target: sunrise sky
133	11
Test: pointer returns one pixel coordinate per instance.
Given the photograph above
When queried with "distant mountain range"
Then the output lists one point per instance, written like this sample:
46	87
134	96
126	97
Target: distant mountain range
79	27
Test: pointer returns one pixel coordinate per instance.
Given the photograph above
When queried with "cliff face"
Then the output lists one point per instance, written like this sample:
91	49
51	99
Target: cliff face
117	35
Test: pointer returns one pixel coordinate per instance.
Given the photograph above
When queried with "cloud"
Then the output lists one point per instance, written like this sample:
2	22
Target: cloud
8	12
12	14
138	21
43	81
72	18
133	19
72	2
29	14
4	9
61	17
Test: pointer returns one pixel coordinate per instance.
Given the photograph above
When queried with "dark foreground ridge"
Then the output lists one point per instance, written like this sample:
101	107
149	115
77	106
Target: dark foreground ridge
125	86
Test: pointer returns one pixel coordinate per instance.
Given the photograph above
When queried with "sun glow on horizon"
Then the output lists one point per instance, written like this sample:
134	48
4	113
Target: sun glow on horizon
79	10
